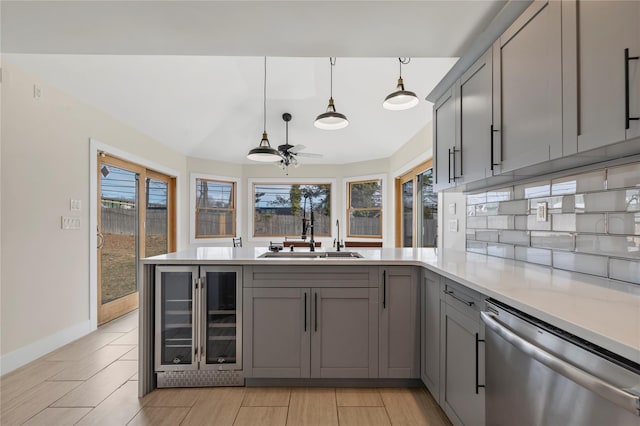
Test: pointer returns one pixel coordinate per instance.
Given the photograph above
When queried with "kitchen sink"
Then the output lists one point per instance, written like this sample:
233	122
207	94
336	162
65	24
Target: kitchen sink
311	254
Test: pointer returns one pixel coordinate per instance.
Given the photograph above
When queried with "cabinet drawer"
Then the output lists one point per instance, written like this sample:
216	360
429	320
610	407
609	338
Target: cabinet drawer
283	276
466	300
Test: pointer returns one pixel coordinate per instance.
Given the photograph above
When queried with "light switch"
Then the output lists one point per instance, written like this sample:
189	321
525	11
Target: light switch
70	222
76	205
452	208
453	225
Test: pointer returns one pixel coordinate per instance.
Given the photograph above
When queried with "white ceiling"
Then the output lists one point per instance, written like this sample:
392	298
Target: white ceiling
190	74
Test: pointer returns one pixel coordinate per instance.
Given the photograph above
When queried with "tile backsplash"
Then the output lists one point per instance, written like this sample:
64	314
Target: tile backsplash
587	222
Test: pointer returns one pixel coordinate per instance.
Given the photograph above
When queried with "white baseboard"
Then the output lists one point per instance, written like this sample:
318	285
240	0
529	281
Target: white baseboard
33	351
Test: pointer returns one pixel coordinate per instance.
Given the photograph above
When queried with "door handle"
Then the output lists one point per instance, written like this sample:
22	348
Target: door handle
627	113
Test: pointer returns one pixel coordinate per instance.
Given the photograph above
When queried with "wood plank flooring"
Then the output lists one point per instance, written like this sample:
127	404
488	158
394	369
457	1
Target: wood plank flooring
93	381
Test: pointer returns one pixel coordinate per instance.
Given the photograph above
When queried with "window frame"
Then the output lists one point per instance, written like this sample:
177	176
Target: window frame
251	184
350	209
409	175
236	193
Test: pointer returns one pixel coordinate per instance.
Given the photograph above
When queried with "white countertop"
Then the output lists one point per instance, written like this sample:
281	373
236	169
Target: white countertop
602	311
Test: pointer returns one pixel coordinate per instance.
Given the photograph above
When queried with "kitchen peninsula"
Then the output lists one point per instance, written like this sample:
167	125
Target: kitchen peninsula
603	312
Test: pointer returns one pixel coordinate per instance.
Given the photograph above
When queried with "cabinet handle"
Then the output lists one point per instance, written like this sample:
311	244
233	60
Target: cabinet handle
458	298
195	318
315	305
449	174
627	58
478	341
453	151
493	163
384	289
305	311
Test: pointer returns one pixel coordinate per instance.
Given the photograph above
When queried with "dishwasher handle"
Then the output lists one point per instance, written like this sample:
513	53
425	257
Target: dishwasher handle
620	397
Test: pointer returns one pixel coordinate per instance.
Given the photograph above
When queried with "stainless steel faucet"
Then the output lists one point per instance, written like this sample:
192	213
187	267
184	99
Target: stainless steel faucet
336	241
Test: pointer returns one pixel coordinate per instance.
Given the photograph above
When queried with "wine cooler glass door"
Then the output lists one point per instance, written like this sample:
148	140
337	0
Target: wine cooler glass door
221	336
176	321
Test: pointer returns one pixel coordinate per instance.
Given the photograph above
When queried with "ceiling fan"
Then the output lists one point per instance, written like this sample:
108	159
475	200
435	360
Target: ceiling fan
289	153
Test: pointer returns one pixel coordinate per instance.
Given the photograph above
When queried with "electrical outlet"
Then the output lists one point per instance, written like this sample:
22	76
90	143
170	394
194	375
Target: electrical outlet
75	206
453	225
37	92
70	222
541	212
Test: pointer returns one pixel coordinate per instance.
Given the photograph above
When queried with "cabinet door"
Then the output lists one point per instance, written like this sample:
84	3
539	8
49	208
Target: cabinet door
528	80
221	318
344	341
461	367
399	326
430	326
176	318
444	139
277	330
476	123
605	29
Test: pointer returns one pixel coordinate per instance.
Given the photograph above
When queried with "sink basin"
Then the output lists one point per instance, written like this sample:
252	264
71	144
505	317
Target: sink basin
310	254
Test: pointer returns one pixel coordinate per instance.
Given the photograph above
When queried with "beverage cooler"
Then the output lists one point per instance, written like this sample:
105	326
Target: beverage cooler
198	339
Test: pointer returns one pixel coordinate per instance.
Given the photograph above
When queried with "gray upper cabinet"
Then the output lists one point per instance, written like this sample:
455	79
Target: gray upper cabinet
601	31
430	332
445	141
528	85
399	323
476	121
344	339
277	332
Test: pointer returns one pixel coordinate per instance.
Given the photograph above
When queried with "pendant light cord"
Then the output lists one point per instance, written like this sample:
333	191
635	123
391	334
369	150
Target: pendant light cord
332	61
264	115
405	61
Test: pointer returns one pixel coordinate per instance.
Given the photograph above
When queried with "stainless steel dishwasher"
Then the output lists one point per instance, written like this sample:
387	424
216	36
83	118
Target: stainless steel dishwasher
537	374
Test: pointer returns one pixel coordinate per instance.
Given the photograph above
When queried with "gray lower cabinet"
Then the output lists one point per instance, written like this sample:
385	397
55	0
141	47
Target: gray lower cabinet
430	332
399	323
461	357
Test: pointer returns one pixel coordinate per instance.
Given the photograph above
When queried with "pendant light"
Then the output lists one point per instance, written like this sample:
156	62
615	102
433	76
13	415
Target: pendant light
263	152
401	99
331	120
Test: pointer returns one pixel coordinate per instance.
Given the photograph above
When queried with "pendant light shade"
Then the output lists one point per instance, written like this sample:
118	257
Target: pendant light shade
331	119
400	99
264	152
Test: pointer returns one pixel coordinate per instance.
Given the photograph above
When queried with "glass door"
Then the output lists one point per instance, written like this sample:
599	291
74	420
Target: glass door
407	214
176	321
416	208
136	219
427	215
222	310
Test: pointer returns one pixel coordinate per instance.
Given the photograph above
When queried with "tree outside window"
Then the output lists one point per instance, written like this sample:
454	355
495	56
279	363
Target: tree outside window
365	209
279	209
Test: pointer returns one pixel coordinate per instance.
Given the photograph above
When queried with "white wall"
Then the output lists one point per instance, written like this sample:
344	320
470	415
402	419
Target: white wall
45	163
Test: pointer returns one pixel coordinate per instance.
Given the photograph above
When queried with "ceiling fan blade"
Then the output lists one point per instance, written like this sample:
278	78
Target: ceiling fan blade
297	148
309	155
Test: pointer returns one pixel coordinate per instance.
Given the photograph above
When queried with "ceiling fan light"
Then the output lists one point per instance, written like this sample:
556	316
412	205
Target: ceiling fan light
263	152
400	99
331	120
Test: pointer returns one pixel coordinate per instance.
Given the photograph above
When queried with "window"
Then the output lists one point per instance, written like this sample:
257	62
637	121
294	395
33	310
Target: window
416	208
280	208
365	209
215	208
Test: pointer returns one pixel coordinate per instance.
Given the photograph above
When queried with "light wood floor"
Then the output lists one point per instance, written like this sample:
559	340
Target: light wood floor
93	381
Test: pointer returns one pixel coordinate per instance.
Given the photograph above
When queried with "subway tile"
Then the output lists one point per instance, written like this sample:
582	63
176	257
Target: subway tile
479	198
624	270
533	224
569	204
563	222
625	246
477	247
594	223
521	222
500	222
500	250
610	201
514	207
514	237
487	236
585	182
477	222
486	209
624	223
470	233
578	262
532	190
533	255
623	176
504	194
554	240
